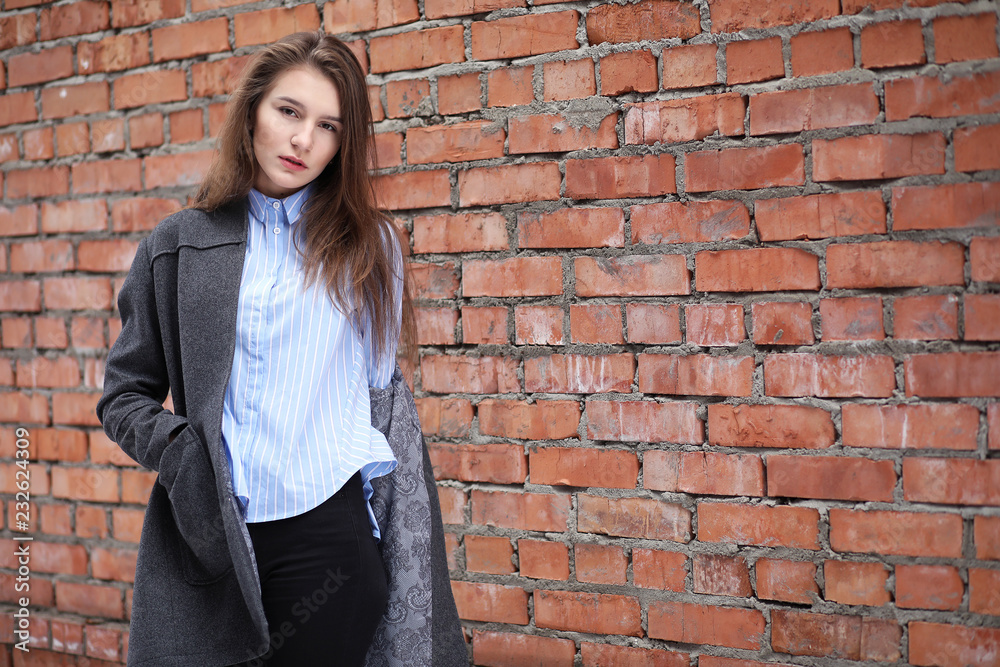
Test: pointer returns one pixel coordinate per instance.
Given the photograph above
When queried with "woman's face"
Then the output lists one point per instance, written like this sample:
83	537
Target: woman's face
297	131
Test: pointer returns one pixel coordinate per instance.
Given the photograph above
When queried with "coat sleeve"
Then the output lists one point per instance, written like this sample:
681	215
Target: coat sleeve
135	377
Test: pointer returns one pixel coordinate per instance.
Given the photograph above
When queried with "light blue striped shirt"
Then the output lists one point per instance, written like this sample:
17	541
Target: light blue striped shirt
296	420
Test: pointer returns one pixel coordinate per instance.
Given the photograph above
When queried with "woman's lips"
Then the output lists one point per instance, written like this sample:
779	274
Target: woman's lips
290	163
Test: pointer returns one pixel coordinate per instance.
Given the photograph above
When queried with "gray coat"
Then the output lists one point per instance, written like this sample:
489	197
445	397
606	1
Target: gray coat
196	598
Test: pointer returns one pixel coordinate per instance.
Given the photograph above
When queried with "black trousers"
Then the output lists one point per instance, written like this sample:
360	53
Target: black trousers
322	582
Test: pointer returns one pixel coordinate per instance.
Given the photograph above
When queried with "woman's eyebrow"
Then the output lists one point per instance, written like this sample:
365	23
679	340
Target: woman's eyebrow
294	101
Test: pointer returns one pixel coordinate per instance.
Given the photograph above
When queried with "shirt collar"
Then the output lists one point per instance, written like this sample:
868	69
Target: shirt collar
292	205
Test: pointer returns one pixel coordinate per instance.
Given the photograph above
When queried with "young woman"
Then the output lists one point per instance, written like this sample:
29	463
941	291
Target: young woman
294	520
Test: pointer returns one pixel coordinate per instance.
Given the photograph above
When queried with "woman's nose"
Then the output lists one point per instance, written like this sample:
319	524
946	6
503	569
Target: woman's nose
302	139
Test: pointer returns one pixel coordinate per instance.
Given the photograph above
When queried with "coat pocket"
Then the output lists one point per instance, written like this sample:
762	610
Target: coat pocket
194	502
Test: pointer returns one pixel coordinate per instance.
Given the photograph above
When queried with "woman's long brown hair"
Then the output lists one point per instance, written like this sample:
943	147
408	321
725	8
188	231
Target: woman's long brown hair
343	243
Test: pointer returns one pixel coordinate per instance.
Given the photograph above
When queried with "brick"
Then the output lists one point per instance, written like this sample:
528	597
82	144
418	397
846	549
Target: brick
92	522
928	587
436	326
527	35
984	591
521	510
703	473
892	44
628	72
579	373
885	156
620	177
55	519
483	375
946	207
895	264
588	612
541	420
59	558
951	645
695	374
833	636
929	96
89	599
856	6
497	464
125	13
417	49
113	54
114	255
932	426
892	533
495	649
704	624
813	109
39	372
434	281
712	661
518	276
554	133
583	467
137	485
715	324
633	517
484	325
595	655
492	555
762	525
756	270
513	183
453	503
568	80
269	25
951	481
985	259
9	151
993	425
952	374
38	144
648	20
829	375
687	119
786	581
958	38
820	216
216	77
632	275
538	325
851	318
107	176
822	52
375	103
181	169
543	560
19	220
186	126
982	317
41	256
856	583
72	139
689	222
27	69
17	108
745	168
153	87
977	148
572	228
473	140
353	16
16	333
67	637
754	60
388	149
461	92
17	30
187	40
490	602
37	183
419	189
689	66
114	564
75	215
721	575
653	323
108	135
51	333
664	570
644	421
782	323
773	426
19	407
596	564
737	15
509	87
23	295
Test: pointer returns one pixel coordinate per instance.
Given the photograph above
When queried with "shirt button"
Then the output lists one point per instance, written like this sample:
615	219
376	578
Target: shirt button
277	230
274	204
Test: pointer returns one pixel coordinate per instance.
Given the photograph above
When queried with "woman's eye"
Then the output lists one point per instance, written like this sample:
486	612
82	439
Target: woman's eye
327	126
287	111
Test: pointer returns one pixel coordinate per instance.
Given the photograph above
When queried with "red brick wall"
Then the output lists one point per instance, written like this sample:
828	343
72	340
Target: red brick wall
708	305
